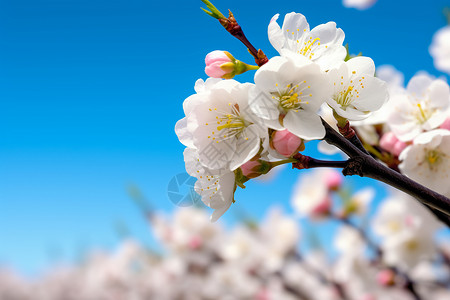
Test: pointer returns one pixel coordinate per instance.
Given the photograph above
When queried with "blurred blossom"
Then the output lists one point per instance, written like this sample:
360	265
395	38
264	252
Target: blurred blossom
427	160
359	4
422	108
311	197
440	49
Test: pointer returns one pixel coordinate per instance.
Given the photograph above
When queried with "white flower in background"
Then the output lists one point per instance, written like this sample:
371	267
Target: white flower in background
282	234
360	201
287	95
220	125
399	212
427	160
422	108
187	230
359	4
311	197
216	187
407	229
322	45
356	92
393	77
409	247
440	49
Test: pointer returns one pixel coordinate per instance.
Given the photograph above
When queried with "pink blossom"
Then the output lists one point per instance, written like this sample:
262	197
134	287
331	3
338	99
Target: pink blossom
333	180
286	143
214	60
251	169
195	242
446	124
391	143
322	208
385	277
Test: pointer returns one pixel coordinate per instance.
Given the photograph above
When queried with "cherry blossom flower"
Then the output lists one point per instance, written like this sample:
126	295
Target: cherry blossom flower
427	160
323	44
356	91
221	125
440	49
423	108
311	197
288	93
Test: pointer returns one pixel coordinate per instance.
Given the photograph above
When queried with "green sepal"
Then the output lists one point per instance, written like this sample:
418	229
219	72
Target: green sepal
214	12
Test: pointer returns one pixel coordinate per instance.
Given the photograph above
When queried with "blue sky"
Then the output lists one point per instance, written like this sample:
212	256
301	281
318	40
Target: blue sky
90	92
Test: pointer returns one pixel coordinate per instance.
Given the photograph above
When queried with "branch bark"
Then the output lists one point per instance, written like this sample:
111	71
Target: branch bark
364	165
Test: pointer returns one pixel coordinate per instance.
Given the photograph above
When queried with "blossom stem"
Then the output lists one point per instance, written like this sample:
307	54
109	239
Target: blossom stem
232	26
307	162
365	165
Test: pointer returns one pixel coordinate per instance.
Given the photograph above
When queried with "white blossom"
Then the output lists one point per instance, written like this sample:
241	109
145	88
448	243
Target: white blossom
356	92
287	95
220	125
323	44
427	160
422	108
440	49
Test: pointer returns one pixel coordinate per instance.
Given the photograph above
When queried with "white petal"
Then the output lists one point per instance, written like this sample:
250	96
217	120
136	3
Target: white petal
328	33
372	96
247	146
306	125
184	135
276	36
419	84
361	65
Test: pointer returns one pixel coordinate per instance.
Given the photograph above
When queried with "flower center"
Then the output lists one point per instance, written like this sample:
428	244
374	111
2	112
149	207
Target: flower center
423	114
229	124
433	158
292	96
307	47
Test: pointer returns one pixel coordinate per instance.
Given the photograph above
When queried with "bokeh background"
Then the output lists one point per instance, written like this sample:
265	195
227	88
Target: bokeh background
90	92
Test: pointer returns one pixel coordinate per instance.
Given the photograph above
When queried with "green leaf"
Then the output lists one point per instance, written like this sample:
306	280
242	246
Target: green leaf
215	13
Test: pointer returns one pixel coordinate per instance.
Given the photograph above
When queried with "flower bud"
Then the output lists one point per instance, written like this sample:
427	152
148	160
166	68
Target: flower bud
221	64
333	180
214	60
286	143
391	143
446	124
322	208
255	168
386	277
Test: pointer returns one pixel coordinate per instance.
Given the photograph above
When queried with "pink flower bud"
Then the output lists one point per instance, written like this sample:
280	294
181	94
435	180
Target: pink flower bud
195	242
286	143
214	62
391	143
251	169
446	124
399	147
322	208
388	141
386	277
333	180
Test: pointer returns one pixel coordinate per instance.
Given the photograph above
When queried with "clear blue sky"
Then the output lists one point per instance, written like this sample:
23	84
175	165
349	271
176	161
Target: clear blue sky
90	92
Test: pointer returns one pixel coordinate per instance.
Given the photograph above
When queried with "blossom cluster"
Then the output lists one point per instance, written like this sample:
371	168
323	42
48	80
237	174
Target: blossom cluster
197	259
237	131
411	132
